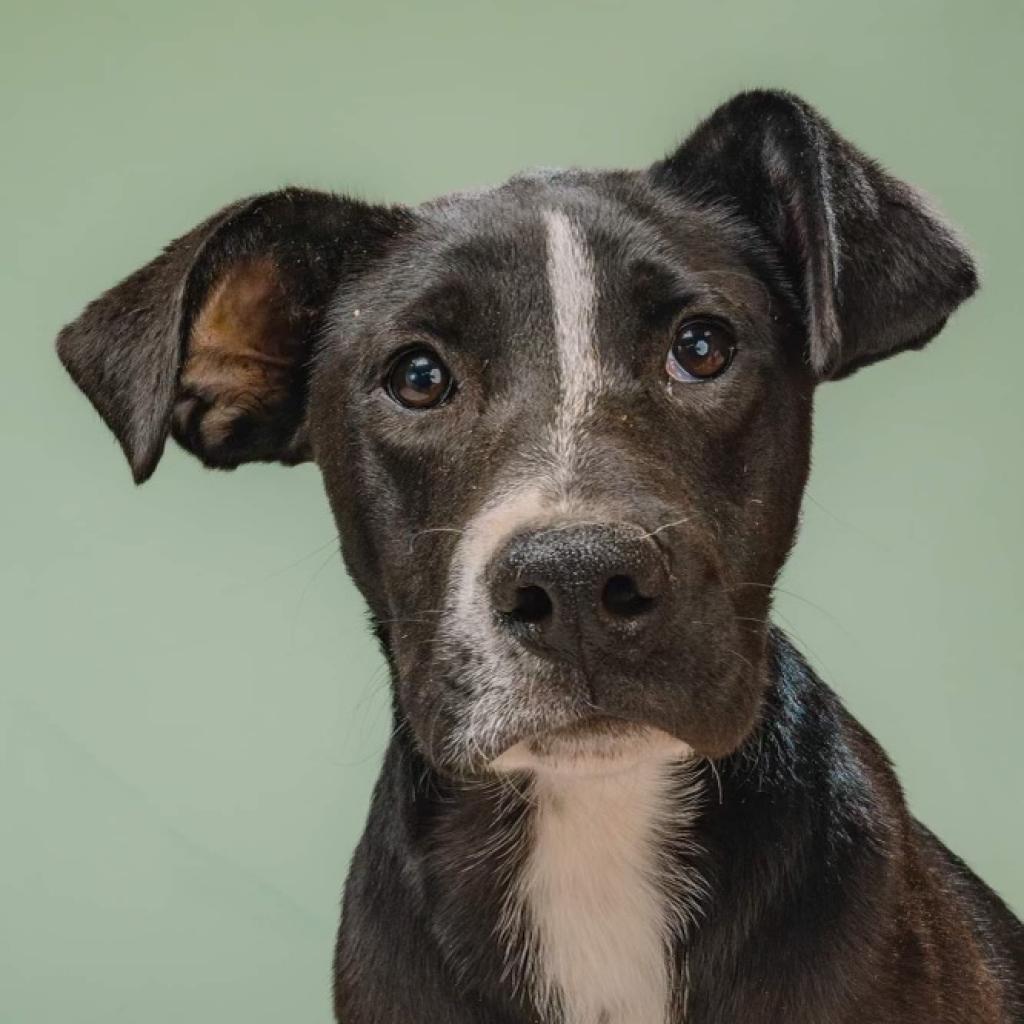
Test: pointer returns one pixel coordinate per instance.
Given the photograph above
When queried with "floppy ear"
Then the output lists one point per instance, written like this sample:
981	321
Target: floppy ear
212	340
878	271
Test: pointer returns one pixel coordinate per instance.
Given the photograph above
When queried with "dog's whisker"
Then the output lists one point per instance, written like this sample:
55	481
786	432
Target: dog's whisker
333	542
736	654
408	620
667	526
791	594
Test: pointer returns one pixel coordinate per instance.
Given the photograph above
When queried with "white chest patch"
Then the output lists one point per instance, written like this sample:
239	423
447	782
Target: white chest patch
596	898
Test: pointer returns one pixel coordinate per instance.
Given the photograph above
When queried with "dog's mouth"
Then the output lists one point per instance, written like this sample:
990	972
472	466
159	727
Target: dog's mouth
594	745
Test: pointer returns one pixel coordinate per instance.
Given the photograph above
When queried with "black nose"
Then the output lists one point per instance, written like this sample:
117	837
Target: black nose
581	592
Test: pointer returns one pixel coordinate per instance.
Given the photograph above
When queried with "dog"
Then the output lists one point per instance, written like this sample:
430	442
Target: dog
564	427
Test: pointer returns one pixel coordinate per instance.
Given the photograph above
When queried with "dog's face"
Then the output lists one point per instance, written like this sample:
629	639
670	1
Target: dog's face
563	424
564	429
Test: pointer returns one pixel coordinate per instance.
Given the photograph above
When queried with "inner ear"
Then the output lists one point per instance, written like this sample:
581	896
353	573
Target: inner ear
243	381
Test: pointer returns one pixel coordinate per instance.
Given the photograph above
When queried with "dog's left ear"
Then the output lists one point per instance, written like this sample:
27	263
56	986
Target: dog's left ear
212	340
876	269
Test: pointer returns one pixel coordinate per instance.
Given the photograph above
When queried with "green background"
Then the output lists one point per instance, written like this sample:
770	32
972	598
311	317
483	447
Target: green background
192	713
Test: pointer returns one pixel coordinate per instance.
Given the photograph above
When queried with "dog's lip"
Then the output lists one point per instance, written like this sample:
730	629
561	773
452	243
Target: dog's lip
573	726
585	727
594	743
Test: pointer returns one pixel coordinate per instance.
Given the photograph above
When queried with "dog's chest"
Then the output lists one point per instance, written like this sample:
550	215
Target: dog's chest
597	899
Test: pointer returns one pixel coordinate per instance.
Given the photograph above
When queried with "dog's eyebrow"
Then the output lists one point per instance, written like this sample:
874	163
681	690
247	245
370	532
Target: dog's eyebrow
656	311
659	289
441	310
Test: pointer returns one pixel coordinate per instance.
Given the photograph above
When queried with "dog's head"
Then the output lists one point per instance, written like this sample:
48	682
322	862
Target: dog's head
563	424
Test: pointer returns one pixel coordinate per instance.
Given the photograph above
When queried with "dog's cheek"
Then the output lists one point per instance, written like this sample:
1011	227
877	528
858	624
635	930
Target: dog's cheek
723	681
761	487
433	702
735	708
336	417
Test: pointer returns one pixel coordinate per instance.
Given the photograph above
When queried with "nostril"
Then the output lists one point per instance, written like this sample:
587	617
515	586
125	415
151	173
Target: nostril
622	598
532	605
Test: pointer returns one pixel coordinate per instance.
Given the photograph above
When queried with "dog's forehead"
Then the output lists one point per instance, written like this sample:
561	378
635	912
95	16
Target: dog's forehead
491	271
492	251
614	213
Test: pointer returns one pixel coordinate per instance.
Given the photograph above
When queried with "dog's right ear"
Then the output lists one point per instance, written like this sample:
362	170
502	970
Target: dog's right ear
211	341
875	269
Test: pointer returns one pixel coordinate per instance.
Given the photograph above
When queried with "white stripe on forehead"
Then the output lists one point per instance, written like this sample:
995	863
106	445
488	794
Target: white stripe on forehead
574	301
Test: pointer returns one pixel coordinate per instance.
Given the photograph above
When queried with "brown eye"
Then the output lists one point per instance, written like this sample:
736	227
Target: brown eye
419	380
703	349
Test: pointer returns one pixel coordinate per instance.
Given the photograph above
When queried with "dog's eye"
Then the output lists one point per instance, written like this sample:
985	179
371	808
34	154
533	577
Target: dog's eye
703	349
418	379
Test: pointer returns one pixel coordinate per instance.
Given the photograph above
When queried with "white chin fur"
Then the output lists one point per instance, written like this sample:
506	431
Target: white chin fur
586	752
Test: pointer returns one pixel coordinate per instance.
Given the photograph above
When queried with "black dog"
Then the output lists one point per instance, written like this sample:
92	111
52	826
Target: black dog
564	428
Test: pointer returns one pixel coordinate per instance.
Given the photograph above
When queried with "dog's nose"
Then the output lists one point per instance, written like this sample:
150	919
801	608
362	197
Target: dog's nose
581	592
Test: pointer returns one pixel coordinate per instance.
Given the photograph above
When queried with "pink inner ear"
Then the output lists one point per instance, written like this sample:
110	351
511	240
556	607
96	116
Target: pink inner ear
243	350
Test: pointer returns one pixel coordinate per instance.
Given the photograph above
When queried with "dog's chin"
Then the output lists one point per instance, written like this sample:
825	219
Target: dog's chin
592	747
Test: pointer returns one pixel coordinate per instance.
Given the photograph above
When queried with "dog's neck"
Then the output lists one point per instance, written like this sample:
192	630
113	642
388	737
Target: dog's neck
603	894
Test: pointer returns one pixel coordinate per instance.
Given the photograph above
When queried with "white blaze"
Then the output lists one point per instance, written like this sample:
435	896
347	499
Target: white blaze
574	300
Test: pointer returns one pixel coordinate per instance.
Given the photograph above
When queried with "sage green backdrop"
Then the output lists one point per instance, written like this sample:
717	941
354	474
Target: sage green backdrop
192	712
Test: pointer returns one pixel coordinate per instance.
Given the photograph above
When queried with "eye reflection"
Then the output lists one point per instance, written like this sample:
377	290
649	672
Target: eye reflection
419	379
703	350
